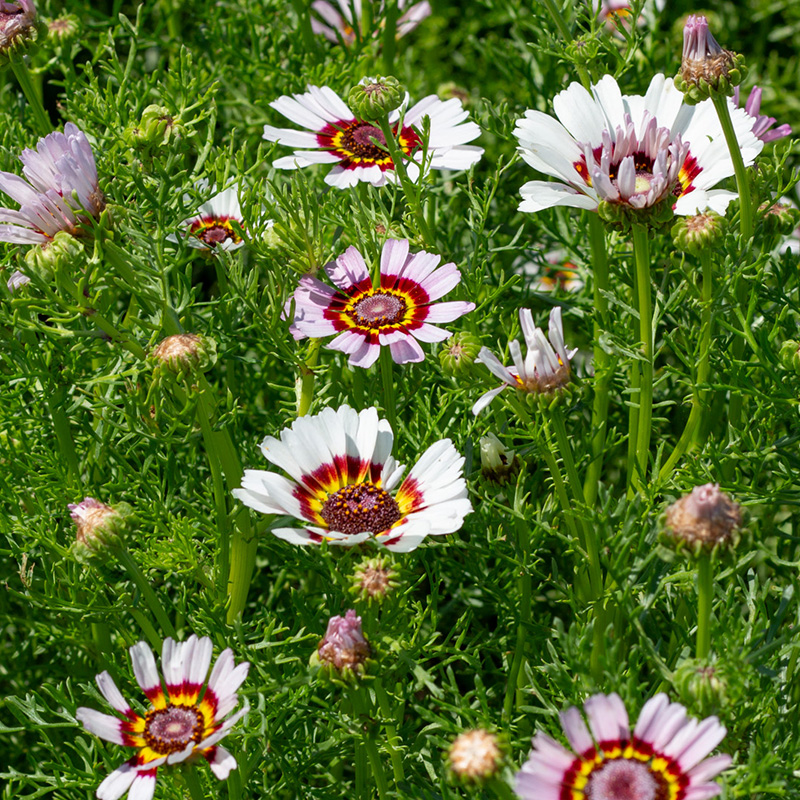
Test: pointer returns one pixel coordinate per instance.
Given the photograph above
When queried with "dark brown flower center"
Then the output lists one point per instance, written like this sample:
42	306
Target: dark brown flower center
169	730
213	231
379	309
358	141
360	507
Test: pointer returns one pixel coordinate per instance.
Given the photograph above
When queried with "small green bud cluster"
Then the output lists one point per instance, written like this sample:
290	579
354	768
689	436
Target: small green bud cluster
698	233
459	352
374	98
61	256
156	129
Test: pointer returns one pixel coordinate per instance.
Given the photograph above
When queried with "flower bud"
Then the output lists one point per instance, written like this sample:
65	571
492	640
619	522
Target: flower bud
706	68
343	652
64	29
698	233
156	129
583	51
17	281
701	684
704	518
184	353
376	97
62	255
498	465
474	756
20	27
790	355
459	352
449	89
779	217
98	526
374	579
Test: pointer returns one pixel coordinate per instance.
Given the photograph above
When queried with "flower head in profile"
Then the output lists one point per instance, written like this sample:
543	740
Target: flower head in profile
335	135
763	123
397	313
706	68
665	757
544	370
345	487
58	192
339	21
631	153
211	228
187	719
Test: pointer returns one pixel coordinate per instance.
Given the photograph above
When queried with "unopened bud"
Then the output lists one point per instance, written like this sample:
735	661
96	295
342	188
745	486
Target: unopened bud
98	526
701	684
706	68
698	233
474	756
779	217
156	128
374	98
20	27
343	652
704	518
184	353
459	352
583	51
374	579
63	255
64	29
790	355
498	464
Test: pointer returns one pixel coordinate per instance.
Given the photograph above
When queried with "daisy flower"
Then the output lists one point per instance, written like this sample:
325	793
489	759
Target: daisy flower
334	135
665	758
397	313
337	21
631	150
763	123
187	719
210	228
545	367
343	484
59	189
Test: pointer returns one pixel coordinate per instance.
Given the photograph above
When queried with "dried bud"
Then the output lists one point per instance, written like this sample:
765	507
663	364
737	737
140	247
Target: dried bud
156	129
17	281
779	217
64	29
374	98
706	68
20	27
343	651
184	353
704	518
790	355
374	579
498	465
698	233
475	756
701	684
98	526
63	255
459	352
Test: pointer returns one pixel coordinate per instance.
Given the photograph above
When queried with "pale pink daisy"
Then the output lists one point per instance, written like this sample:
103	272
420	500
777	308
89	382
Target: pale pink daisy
334	135
345	487
186	720
631	150
397	313
338	21
59	191
544	369
763	123
666	757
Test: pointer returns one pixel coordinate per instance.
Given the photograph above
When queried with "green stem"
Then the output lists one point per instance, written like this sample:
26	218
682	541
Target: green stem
602	368
305	383
705	594
566	35
388	387
367	16
692	432
303	12
63	431
361	709
641	254
392	742
742	179
20	70
146	590
390	35
524	593
192	781
597	658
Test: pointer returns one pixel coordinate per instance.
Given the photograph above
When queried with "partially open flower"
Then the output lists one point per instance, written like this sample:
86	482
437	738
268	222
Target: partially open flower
374	579
98	526
343	649
704	518
474	756
706	68
185	353
19	27
498	464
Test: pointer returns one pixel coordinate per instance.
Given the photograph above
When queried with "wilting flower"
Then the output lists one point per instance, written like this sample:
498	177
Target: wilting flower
631	151
704	518
763	123
665	758
475	756
179	724
397	313
334	135
18	22
344	648
339	24
211	227
343	479
60	190
544	370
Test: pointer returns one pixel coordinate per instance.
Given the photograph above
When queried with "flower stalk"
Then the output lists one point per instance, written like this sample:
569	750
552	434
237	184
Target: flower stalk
389	405
705	594
23	76
305	383
512	700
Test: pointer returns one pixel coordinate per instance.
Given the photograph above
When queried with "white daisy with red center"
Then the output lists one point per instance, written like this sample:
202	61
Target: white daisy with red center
397	313
212	227
59	190
334	135
631	150
345	486
664	759
184	720
338	22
